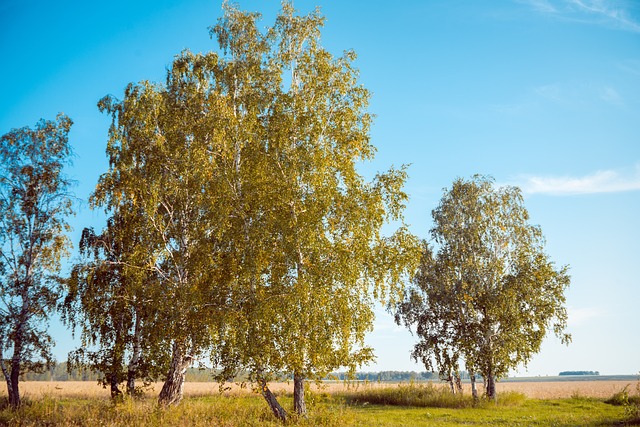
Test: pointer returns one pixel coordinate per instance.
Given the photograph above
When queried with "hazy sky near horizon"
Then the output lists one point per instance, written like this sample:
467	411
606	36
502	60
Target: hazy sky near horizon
543	94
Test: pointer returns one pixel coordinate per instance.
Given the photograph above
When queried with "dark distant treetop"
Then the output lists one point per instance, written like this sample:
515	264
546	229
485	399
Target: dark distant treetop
563	373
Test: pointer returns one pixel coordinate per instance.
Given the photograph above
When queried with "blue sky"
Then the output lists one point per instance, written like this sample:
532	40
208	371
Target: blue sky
543	94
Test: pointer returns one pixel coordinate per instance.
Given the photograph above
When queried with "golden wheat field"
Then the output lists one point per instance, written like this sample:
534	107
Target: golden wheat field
532	389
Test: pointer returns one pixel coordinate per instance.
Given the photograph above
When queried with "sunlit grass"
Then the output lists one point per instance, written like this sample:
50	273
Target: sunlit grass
370	404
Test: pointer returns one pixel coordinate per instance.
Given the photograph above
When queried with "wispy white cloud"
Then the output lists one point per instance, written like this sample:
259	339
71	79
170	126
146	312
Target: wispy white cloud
600	12
544	6
553	92
611	96
607	11
580	316
630	66
570	95
604	181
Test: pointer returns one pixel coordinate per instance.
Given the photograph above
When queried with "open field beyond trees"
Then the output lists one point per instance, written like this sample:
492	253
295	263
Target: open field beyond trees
531	403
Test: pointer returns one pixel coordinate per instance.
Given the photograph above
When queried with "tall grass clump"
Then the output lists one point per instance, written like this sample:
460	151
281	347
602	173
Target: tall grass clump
423	395
630	402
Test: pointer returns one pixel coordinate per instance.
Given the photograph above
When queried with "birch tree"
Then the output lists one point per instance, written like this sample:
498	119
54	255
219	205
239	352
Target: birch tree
164	150
487	293
109	298
34	205
318	257
265	239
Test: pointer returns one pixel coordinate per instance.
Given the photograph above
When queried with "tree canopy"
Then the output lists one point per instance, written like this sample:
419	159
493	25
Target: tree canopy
265	242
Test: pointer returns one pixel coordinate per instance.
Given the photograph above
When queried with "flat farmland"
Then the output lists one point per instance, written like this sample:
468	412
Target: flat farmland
533	388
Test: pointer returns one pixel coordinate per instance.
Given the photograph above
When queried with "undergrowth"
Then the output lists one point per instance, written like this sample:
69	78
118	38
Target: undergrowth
631	403
401	405
425	395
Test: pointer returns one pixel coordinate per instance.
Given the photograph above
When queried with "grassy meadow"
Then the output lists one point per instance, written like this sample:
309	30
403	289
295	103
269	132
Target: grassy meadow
565	403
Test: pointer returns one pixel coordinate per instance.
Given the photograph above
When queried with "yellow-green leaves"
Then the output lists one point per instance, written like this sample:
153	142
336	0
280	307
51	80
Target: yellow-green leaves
489	293
263	239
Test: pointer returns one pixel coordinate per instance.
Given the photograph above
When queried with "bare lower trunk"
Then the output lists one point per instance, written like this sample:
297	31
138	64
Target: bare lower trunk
10	389
5	371
450	381
14	375
299	406
474	390
113	383
273	403
490	386
132	369
171	392
458	381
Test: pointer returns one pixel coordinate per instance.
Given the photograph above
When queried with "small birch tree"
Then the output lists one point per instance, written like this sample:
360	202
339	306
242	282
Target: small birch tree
489	294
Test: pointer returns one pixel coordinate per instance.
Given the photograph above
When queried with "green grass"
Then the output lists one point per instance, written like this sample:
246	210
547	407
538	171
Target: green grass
414	405
530	413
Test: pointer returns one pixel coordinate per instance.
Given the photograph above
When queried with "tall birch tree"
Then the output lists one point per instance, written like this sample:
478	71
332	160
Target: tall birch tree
265	239
165	148
318	256
34	205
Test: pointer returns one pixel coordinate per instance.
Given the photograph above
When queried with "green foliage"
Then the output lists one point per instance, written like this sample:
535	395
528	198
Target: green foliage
110	301
34	205
489	293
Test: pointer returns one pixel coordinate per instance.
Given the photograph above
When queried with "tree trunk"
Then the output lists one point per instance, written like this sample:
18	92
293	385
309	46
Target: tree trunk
171	392
474	390
273	403
450	381
14	391
14	396
14	375
458	381
115	376
113	382
5	372
132	369
490	386
299	405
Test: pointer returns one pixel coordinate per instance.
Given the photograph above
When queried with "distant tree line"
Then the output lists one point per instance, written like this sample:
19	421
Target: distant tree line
64	372
563	373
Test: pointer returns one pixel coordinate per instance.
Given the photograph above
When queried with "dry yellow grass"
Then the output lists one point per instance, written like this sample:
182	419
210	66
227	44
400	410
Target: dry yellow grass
535	390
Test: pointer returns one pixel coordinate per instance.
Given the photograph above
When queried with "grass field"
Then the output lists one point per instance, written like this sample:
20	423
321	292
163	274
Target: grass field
531	389
528	403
